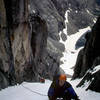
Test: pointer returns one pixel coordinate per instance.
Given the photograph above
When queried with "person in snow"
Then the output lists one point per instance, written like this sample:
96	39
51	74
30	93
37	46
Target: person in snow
60	88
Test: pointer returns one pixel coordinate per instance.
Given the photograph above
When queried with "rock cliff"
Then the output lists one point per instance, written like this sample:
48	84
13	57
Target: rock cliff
29	47
88	59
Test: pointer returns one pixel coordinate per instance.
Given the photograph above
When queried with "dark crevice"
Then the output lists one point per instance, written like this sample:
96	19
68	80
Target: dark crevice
8	6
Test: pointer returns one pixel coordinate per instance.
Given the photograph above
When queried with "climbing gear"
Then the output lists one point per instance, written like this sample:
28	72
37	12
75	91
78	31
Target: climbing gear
42	80
62	77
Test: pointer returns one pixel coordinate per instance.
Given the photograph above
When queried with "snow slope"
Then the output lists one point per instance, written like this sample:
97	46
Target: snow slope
28	92
38	91
22	93
70	54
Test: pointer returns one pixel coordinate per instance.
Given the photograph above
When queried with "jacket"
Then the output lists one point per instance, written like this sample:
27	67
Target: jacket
66	91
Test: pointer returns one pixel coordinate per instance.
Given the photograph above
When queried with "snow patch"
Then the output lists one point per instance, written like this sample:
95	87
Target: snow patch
97	68
19	92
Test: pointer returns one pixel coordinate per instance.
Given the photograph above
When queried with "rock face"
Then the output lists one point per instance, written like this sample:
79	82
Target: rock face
48	12
29	47
48	64
88	58
80	13
81	41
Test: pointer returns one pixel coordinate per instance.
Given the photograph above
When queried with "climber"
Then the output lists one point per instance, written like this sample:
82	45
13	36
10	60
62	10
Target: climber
60	88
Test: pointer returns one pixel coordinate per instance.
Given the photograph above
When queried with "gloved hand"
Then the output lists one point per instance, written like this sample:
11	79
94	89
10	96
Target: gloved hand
59	99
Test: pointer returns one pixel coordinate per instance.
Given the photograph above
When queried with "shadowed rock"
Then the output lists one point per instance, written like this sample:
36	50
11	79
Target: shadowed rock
86	63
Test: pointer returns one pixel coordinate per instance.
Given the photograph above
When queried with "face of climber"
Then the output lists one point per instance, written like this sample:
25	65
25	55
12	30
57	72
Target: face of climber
61	82
62	79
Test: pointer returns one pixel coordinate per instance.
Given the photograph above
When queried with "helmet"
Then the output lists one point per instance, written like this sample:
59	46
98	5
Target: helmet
62	77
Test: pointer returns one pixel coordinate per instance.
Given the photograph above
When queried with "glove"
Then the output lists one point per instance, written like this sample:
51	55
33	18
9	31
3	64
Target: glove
77	98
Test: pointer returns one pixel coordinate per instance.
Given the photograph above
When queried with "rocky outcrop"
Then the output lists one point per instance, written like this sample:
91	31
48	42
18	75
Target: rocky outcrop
48	64
81	13
50	14
92	77
88	58
81	41
6	56
29	47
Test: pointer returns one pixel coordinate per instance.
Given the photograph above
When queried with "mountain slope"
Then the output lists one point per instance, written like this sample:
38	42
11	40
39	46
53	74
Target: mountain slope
29	36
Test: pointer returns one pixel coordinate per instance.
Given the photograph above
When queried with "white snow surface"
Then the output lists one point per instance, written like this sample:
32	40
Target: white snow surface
38	91
97	68
27	92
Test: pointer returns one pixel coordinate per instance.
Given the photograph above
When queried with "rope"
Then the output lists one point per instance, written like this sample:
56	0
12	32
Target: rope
33	91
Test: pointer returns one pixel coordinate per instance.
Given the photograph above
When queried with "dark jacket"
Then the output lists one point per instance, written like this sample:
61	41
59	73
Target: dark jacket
66	91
